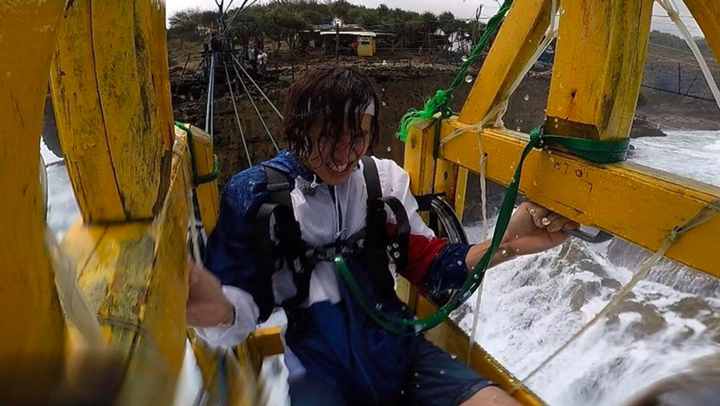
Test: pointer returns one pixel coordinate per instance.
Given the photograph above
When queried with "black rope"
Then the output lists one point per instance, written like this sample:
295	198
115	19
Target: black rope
257	110
237	115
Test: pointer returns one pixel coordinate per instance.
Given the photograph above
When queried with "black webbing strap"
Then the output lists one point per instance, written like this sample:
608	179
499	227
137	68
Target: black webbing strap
376	241
399	245
290	248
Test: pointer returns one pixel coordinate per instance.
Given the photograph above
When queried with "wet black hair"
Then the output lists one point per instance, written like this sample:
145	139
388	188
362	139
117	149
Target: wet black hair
332	97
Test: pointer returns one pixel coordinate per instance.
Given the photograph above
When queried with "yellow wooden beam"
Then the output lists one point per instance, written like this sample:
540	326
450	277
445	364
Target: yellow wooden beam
633	202
134	277
707	15
238	384
268	341
207	193
111	98
445	179
32	326
461	191
516	42
598	69
452	339
419	158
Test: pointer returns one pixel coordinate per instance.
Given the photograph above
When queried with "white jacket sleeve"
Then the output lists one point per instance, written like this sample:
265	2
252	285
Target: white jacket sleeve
395	181
246	315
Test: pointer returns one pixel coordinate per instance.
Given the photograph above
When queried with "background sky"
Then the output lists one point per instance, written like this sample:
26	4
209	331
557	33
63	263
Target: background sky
460	8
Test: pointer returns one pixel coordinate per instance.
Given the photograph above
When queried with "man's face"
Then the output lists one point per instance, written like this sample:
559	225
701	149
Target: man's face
334	160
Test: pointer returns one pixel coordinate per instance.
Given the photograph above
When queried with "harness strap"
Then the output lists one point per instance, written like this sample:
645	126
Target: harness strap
280	240
290	248
399	248
377	239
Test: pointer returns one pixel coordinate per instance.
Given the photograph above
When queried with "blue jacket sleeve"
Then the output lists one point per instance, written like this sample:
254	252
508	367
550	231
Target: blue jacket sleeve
448	270
229	253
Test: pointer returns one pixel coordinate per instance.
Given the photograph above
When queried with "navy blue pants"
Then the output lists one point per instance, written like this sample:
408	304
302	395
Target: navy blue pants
433	378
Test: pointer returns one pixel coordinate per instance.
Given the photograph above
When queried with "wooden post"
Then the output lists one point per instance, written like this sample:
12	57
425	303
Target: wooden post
599	64
111	96
32	326
516	42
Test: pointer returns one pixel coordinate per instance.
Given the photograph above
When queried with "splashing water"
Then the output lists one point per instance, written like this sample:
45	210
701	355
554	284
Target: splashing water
531	306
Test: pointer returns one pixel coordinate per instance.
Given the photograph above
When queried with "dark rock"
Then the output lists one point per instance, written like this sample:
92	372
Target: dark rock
642	127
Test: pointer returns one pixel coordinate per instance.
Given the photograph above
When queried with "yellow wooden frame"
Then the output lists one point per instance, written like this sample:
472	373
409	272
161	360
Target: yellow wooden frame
132	175
595	85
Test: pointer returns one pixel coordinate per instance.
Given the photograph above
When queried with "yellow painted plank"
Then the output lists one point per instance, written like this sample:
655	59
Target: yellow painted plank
452	339
419	162
242	383
707	15
32	326
516	42
112	109
636	203
445	179
239	381
598	69
207	193
80	120
461	191
268	341
134	277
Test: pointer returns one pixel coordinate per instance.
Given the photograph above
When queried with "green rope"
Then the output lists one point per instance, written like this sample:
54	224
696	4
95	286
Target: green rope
440	102
598	151
198	179
401	326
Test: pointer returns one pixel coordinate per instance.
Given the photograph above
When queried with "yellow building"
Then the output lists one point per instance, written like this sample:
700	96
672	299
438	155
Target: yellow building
362	43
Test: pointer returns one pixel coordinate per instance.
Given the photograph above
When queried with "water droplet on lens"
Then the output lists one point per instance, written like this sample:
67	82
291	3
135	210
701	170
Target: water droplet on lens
468	78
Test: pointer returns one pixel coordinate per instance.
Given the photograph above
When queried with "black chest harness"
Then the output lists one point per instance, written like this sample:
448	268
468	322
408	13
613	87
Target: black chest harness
280	245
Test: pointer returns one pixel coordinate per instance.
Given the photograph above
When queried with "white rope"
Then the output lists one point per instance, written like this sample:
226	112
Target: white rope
496	114
483	236
672	11
646	266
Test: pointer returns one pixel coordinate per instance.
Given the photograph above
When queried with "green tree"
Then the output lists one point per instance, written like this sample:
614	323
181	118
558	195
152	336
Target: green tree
448	23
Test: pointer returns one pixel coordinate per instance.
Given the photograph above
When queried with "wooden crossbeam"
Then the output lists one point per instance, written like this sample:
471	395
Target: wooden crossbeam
636	203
